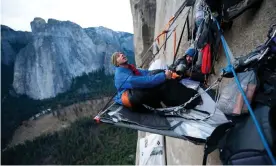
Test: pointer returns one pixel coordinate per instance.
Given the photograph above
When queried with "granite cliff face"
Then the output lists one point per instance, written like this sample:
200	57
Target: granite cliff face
149	20
248	31
143	13
57	51
108	41
151	17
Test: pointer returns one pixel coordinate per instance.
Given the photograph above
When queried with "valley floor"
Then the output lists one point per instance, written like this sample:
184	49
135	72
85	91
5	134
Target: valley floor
50	123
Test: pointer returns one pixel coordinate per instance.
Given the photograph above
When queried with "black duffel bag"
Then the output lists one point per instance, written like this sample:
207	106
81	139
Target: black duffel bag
242	145
231	9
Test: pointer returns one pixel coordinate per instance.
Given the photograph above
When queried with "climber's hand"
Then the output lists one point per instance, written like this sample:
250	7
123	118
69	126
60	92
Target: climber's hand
188	73
168	74
175	75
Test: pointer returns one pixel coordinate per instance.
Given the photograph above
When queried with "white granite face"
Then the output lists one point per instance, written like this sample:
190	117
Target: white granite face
61	50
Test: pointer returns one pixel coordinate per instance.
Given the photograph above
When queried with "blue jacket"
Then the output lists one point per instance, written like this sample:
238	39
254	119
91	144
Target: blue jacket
125	79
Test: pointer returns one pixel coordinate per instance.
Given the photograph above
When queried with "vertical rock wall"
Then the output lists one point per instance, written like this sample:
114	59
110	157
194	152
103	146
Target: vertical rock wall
164	11
248	31
143	12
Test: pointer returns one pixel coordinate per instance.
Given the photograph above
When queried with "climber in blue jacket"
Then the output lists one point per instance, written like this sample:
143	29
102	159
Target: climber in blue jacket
139	86
128	77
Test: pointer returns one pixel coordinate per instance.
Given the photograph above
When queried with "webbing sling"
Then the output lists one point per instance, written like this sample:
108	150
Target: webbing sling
174	42
166	29
181	35
152	57
188	26
176	15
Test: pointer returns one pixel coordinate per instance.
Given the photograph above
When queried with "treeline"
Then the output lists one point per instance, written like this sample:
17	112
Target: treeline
16	109
88	86
84	142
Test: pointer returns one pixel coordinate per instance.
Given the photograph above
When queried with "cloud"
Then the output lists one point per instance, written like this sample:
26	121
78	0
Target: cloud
113	14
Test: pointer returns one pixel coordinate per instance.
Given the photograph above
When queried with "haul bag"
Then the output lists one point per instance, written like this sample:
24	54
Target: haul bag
231	101
242	145
234	8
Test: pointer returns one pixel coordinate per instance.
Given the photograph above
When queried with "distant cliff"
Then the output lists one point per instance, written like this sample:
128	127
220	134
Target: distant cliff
108	41
48	58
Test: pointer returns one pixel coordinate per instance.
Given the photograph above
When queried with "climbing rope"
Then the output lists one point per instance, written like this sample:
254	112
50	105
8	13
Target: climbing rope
230	68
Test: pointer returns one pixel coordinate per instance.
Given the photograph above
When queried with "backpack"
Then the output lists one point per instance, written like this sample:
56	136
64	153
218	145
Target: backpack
267	76
234	8
206	59
230	101
231	9
203	33
242	145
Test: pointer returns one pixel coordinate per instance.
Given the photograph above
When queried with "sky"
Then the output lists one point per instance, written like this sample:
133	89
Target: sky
113	14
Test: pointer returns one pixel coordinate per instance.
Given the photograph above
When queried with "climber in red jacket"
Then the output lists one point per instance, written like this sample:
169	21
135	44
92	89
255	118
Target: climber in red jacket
138	86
